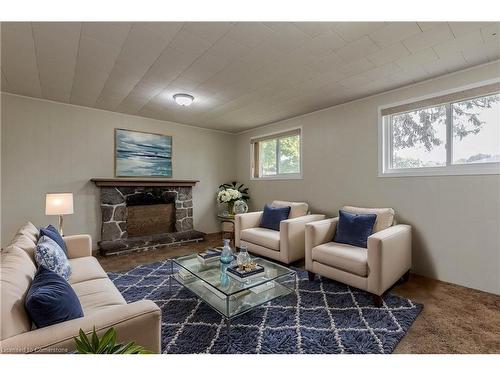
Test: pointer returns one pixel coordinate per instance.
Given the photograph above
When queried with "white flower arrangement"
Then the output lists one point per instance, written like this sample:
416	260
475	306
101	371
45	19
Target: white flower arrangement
228	195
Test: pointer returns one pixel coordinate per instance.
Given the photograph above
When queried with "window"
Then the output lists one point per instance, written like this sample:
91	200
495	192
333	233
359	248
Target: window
457	133
277	156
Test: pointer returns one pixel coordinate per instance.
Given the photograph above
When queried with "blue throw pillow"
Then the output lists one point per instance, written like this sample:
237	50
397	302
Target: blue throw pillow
51	300
353	229
54	234
50	255
273	215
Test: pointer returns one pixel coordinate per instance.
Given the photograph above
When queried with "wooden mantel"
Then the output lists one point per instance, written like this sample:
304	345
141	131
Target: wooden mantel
126	181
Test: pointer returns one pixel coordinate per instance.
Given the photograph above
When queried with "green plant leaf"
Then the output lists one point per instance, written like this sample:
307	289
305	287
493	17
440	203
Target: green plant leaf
85	340
80	347
108	340
95	341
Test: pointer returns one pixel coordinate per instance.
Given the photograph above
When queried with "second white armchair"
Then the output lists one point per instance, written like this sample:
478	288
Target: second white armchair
286	245
373	269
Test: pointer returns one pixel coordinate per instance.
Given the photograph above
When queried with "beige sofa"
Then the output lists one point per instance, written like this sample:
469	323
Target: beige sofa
375	269
103	305
285	246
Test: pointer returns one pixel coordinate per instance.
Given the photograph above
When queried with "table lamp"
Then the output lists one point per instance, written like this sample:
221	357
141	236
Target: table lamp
59	204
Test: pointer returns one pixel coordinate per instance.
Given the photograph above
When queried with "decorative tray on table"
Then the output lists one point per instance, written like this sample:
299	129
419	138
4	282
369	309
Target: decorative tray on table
245	272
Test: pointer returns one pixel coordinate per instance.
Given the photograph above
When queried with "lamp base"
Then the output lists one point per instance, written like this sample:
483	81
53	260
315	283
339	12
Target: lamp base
61	225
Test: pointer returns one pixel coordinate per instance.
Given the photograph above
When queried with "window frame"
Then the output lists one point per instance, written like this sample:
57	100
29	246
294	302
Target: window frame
385	149
254	145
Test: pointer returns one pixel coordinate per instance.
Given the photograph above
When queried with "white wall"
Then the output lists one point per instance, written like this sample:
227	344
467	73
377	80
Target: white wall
49	146
455	219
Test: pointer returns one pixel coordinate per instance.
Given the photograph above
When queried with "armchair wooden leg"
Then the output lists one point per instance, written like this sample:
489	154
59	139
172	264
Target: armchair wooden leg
311	275
406	276
377	300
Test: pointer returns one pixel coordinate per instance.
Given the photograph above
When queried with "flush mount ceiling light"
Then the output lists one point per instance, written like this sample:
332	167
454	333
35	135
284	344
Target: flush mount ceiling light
183	99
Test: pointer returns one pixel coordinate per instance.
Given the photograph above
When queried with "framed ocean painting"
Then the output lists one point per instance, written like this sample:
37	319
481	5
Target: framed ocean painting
140	154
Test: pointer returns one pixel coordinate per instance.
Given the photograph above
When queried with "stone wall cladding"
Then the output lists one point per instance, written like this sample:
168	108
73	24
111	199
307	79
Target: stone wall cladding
114	208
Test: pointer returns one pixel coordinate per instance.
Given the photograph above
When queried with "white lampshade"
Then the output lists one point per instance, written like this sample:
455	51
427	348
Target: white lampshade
58	203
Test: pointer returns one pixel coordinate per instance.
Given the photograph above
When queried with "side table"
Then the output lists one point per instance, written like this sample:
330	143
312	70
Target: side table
227	222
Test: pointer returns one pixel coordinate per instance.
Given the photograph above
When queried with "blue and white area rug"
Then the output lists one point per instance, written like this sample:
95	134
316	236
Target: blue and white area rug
322	317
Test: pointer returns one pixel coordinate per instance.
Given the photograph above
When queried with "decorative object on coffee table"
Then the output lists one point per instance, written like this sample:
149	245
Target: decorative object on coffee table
140	154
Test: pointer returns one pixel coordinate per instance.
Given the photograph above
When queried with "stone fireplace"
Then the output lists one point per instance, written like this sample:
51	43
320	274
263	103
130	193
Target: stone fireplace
145	214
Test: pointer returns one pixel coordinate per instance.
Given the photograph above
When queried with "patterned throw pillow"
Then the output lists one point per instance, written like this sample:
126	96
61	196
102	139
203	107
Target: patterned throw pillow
51	232
50	255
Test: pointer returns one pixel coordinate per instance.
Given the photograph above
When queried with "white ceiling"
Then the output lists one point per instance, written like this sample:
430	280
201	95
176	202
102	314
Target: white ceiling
242	74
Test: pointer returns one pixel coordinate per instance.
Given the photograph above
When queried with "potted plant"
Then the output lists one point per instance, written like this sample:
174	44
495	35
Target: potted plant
106	344
231	193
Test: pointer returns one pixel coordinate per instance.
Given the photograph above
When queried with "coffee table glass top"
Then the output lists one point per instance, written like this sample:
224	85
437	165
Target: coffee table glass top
228	296
211	274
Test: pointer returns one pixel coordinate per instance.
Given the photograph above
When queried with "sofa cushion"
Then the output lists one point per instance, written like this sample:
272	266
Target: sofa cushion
84	269
51	300
262	236
16	274
272	216
50	255
354	229
344	257
51	232
31	231
25	243
385	216
297	209
97	294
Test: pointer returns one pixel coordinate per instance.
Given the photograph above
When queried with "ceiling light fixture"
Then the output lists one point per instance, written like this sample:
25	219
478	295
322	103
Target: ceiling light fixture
183	99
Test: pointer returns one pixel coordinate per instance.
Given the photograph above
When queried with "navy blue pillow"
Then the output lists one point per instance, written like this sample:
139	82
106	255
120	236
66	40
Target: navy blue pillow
353	229
273	215
51	300
54	235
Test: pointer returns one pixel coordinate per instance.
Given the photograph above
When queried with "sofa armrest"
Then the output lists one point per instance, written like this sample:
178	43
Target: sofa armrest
389	257
138	321
292	234
245	221
78	246
317	233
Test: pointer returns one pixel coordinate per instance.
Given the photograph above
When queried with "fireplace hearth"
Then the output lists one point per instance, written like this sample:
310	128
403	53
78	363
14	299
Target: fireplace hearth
146	214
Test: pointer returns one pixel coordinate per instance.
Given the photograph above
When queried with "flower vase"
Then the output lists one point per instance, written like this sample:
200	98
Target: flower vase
230	208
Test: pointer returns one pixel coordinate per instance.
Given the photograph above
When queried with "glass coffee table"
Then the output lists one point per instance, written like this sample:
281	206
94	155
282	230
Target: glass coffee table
226	295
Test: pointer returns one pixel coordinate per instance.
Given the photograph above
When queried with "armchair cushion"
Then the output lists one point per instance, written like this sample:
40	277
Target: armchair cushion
297	209
345	257
272	216
262	236
385	216
354	229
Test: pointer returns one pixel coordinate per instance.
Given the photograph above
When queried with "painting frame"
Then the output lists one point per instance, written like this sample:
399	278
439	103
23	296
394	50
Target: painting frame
117	157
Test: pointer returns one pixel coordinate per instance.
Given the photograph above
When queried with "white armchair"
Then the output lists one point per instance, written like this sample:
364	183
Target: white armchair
285	246
375	269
